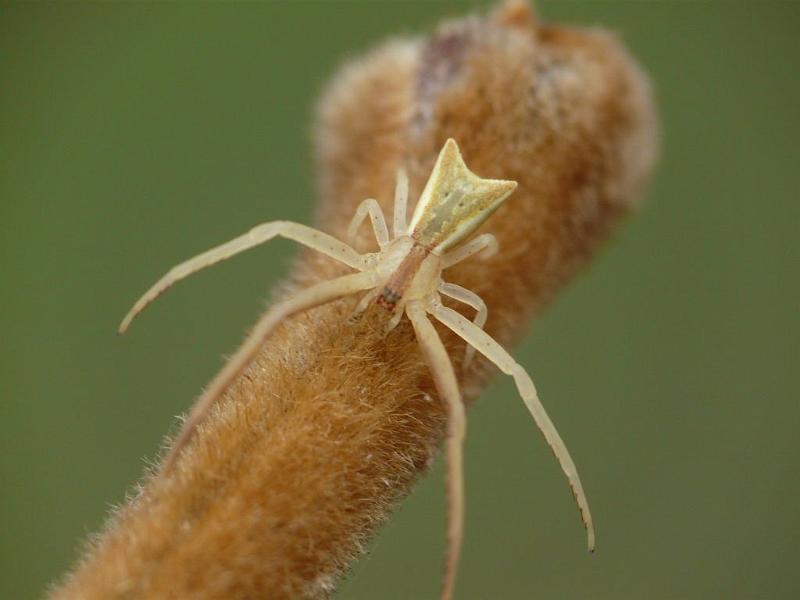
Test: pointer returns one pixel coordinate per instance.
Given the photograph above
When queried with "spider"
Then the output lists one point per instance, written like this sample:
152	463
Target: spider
403	277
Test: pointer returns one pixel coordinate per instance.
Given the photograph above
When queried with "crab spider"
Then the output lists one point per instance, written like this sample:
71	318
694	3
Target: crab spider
404	277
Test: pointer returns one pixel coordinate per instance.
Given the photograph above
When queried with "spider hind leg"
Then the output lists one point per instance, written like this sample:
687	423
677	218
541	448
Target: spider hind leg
369	207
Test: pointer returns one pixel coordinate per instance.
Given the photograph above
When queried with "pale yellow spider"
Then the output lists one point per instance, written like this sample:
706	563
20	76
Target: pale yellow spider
405	276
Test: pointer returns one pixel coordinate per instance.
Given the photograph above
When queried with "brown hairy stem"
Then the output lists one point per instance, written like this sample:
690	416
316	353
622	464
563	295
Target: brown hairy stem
329	427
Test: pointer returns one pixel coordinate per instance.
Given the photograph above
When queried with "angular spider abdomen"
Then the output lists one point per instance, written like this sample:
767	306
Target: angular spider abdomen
454	202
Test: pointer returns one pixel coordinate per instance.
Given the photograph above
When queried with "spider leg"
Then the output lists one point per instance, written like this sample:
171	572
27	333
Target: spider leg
394	321
365	300
485	241
315	295
470	298
445	379
487	346
369	207
400	203
313	238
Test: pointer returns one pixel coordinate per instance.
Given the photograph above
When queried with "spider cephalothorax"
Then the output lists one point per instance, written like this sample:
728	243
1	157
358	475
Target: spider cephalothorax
405	278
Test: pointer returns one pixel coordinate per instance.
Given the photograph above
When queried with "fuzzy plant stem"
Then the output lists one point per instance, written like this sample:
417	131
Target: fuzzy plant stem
312	447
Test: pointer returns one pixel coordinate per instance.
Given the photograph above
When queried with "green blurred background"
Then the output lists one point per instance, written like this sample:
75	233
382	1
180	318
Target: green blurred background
135	135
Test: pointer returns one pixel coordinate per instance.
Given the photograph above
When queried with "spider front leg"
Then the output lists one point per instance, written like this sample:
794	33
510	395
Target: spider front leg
470	298
487	346
313	238
315	295
444	378
369	207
